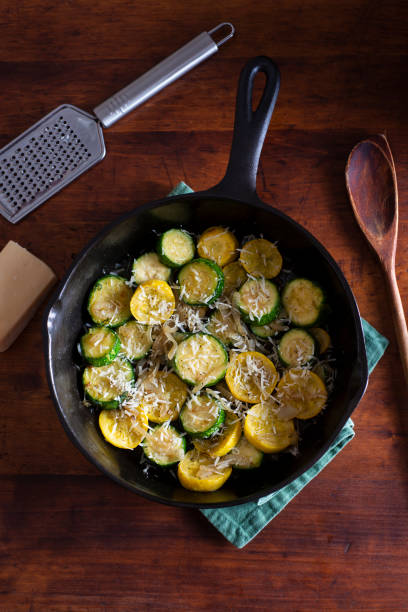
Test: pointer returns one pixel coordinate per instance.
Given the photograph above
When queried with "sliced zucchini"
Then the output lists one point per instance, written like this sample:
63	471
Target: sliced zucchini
258	301
264	430
175	248
123	430
109	301
107	386
135	339
222	325
201	359
304	302
322	337
244	456
223	440
153	302
261	258
163	396
218	244
149	267
301	393
164	445
234	277
251	377
202	415
201	282
296	347
99	346
200	472
271	329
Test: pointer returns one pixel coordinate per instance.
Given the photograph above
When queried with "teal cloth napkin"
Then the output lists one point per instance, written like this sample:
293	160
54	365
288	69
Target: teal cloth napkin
240	524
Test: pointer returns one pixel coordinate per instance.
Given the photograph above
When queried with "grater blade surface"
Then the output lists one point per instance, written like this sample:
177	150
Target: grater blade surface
47	157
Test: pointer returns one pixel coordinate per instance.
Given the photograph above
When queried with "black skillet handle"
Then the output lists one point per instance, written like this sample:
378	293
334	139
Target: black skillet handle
249	130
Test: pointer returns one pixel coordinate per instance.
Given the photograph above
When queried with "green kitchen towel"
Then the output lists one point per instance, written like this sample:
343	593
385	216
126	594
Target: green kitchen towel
240	524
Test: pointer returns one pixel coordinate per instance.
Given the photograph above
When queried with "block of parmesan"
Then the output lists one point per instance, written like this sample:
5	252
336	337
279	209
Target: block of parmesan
24	282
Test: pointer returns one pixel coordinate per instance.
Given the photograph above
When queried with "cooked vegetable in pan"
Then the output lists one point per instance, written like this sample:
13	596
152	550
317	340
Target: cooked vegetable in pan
207	362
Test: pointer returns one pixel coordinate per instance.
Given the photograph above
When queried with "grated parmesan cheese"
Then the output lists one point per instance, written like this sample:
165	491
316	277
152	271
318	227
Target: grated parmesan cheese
151	391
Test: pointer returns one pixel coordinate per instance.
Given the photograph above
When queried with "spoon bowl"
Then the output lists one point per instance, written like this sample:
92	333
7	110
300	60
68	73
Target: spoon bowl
372	188
371	181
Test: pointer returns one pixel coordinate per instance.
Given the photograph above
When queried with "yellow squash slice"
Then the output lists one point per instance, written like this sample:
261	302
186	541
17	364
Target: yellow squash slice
218	244
322	337
251	377
266	432
122	430
234	277
221	444
301	393
153	302
200	472
261	258
163	396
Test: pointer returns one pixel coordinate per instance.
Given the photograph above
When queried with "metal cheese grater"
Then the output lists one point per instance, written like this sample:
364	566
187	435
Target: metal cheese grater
68	141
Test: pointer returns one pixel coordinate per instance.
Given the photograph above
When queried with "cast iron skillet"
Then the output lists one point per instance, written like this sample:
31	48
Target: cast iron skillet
234	203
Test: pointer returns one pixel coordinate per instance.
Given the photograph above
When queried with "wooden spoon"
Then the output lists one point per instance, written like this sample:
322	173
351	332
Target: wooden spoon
372	187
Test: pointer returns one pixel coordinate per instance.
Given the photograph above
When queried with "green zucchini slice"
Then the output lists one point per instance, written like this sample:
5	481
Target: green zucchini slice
201	282
258	301
109	301
271	329
149	267
263	331
296	347
201	359
107	386
202	415
135	339
99	346
304	302
175	248
244	456
164	445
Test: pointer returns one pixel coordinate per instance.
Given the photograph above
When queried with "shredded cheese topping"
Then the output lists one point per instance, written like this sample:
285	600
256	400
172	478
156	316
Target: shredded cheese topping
253	372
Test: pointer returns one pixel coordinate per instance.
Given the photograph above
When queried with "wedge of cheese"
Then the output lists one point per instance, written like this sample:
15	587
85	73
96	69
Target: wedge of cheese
24	282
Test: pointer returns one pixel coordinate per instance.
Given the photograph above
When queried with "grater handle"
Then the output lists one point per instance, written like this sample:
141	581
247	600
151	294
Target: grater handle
161	75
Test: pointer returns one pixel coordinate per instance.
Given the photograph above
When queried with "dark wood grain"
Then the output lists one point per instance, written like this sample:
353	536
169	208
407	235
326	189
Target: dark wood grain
70	538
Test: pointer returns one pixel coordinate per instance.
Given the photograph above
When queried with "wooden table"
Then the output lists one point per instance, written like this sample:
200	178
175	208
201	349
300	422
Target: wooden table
70	538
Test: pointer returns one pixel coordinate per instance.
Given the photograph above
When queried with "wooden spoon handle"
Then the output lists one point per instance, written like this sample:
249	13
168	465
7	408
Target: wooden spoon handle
400	323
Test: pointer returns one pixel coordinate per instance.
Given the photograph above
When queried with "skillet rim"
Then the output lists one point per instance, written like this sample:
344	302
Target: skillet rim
361	360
